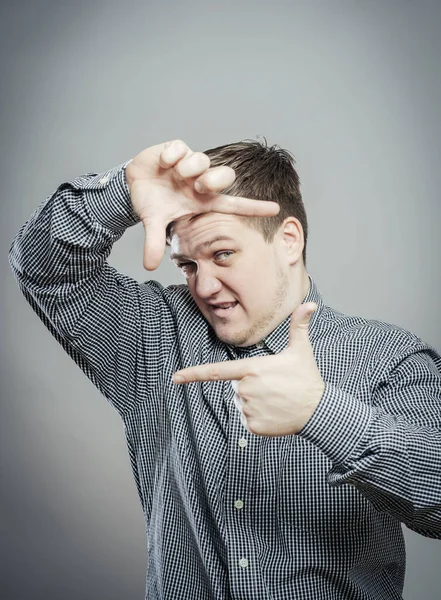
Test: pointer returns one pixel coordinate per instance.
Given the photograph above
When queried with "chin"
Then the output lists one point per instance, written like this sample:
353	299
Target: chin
237	339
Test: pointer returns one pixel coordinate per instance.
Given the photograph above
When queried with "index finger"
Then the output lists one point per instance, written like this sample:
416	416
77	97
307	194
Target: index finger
238	205
226	371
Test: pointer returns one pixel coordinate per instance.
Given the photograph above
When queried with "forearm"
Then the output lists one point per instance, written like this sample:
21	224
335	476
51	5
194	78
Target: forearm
66	241
393	461
101	317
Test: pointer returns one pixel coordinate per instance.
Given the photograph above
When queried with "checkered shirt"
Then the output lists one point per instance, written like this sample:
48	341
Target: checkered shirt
229	514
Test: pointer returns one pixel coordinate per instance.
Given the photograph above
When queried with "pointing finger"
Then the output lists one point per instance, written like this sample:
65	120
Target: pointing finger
226	371
244	206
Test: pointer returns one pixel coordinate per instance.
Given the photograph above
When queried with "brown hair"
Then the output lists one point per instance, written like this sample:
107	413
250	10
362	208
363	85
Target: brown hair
264	173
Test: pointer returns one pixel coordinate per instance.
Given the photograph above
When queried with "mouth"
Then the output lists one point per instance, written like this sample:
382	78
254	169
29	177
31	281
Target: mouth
223	310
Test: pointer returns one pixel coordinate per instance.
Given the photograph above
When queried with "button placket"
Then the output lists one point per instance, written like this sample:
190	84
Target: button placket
242	443
240	469
241	475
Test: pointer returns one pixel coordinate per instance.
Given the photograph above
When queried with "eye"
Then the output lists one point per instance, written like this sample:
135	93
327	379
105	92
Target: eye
187	268
224	255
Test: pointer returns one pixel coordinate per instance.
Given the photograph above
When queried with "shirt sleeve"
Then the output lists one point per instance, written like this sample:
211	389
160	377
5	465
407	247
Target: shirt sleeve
106	321
390	449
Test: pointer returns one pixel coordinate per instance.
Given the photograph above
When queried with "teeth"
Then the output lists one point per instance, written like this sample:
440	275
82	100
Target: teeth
225	305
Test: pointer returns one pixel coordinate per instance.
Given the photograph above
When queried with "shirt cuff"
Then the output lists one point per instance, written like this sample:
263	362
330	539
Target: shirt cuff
338	424
108	198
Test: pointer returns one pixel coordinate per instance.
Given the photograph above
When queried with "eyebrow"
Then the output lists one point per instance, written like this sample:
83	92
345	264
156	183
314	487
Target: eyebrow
206	244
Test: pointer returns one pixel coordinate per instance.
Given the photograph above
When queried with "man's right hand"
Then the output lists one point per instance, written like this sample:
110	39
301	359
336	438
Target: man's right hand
170	181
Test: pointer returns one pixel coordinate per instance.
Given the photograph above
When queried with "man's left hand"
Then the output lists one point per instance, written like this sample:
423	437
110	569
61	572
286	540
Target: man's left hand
276	394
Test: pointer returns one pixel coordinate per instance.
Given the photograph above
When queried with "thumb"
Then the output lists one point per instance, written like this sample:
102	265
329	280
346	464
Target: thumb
299	325
154	244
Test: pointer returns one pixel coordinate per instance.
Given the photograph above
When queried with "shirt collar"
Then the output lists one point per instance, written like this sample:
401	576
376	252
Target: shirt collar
277	340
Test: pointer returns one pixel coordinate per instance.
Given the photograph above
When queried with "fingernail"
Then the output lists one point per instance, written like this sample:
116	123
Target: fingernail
178	379
198	187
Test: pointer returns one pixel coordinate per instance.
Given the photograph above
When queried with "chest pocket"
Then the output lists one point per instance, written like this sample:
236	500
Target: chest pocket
307	502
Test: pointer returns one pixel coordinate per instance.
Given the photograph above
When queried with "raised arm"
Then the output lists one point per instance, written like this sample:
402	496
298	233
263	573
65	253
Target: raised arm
106	321
97	314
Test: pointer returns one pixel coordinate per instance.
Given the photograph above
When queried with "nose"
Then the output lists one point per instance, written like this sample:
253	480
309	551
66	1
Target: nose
206	283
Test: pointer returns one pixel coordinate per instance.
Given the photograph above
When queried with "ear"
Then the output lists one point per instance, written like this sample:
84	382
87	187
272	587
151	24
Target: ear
291	237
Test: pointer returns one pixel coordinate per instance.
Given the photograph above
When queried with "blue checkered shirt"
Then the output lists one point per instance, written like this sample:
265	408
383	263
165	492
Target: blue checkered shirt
232	515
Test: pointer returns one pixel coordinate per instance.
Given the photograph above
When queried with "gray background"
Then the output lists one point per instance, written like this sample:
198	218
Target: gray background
352	88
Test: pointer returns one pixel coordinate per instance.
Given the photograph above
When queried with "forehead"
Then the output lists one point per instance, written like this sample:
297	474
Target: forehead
196	233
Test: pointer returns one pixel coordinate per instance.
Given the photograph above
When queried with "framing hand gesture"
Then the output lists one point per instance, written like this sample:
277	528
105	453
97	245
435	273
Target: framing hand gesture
169	181
276	394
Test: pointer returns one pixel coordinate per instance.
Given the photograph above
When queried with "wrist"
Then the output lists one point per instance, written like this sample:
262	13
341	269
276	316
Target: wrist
310	406
128	169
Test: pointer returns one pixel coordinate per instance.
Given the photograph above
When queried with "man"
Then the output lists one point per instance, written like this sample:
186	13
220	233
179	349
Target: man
301	439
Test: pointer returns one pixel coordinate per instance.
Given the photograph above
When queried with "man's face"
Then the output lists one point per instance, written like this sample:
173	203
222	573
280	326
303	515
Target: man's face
238	281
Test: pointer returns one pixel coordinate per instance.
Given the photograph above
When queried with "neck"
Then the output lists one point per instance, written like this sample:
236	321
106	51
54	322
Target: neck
299	287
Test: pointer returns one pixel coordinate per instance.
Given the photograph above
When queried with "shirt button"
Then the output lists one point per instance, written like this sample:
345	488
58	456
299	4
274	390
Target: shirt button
243	563
104	180
243	443
238	504
260	345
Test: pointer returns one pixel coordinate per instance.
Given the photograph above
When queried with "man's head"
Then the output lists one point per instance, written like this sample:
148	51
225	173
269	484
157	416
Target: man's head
247	274
264	173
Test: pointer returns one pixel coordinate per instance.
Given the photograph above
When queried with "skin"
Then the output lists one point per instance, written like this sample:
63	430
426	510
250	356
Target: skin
268	280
